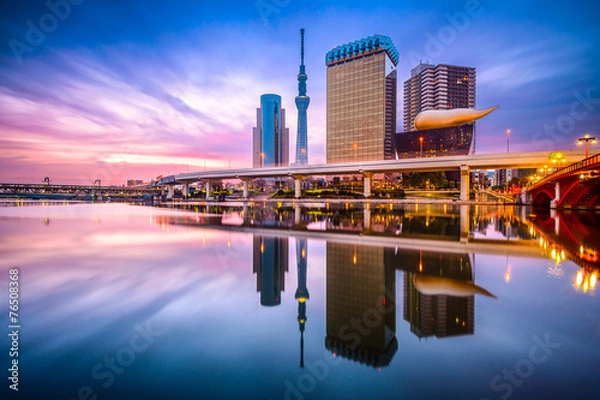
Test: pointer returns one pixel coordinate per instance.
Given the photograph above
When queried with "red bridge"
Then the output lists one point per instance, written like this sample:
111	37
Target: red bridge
574	186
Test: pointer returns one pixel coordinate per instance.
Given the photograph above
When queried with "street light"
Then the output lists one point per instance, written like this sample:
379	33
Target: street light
421	144
587	139
508	140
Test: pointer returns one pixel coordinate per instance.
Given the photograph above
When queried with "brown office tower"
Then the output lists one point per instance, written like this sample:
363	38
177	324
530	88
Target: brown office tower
361	100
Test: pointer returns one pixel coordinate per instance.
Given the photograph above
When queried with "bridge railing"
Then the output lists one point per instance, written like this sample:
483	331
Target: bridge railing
586	162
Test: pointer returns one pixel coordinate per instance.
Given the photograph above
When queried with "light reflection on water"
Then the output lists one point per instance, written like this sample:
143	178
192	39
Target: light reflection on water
390	301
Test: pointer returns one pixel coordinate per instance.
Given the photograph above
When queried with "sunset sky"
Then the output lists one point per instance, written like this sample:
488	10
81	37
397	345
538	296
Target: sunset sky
118	90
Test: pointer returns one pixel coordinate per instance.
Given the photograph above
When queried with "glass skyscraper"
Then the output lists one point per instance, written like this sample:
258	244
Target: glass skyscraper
270	141
361	100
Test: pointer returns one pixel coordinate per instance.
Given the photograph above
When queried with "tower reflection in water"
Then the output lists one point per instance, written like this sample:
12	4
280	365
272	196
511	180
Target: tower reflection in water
302	294
432	312
270	263
361	304
439	298
439	294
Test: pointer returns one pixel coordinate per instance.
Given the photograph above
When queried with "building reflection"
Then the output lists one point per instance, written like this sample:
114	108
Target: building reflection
270	263
361	304
361	298
361	278
438	315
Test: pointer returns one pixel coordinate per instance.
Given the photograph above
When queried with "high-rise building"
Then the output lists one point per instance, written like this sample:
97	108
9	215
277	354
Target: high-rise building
361	100
302	102
437	87
270	137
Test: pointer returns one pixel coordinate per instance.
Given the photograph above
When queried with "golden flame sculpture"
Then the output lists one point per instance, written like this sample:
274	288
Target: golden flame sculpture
435	285
432	119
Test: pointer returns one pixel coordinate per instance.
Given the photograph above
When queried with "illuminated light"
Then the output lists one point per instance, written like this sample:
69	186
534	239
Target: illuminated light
553	254
541	241
531	230
581	249
593	280
262	247
302	320
562	255
457	320
579	278
228	244
420	267
507	277
301	299
384	301
303	253
354	259
585	286
463	323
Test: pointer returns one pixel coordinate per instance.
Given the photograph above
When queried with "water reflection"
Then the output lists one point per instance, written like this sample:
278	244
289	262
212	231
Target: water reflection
378	280
568	235
270	263
302	294
361	304
439	287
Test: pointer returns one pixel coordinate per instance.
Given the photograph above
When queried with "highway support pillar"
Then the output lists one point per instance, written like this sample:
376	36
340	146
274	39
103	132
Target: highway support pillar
170	191
298	185
185	190
207	186
464	182
367	184
245	182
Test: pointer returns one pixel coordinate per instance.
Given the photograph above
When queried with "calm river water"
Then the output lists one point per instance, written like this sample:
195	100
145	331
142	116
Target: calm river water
272	301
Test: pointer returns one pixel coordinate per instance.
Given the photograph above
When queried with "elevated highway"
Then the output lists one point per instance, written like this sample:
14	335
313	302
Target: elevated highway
369	168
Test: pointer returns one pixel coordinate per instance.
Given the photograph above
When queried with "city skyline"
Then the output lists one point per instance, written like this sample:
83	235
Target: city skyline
129	92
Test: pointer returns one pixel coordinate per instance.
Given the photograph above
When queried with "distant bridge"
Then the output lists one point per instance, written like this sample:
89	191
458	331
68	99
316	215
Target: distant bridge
574	186
48	191
369	168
